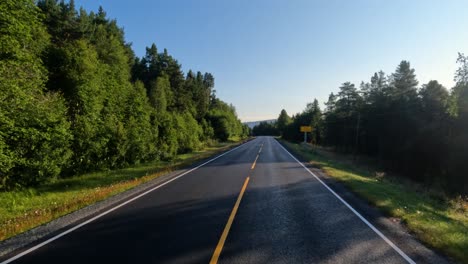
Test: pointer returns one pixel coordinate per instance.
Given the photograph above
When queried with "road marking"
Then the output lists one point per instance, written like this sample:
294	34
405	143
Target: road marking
395	247
255	162
219	247
258	155
113	209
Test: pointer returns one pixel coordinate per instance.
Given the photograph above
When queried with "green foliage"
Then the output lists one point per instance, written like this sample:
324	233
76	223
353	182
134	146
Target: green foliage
283	121
75	99
224	121
207	130
461	75
316	122
188	133
245	131
403	82
434	100
158	93
435	219
84	90
266	129
419	133
23	209
141	134
34	132
311	116
186	107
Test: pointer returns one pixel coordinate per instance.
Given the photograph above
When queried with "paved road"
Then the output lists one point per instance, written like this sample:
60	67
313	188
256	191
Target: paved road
284	215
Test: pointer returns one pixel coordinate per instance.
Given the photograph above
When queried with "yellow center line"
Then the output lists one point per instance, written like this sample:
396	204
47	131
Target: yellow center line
219	247
255	162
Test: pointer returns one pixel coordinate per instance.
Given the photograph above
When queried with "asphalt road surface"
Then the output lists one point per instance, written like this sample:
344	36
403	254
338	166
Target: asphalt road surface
254	204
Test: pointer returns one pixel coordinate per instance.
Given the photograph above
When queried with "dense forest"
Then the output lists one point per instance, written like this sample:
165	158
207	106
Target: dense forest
420	132
74	97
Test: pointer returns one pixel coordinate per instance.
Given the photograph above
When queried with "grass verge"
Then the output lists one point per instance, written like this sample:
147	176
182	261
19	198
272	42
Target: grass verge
440	222
22	210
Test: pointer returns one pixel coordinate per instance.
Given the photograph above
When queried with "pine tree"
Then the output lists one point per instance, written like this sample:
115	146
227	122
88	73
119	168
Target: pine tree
404	82
283	121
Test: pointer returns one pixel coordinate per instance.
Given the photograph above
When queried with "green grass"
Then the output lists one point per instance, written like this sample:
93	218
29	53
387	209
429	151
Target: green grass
438	221
22	210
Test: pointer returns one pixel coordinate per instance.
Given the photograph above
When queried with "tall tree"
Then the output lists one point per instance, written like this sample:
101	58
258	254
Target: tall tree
159	92
316	122
458	167
434	99
461	74
34	133
404	82
74	98
283	121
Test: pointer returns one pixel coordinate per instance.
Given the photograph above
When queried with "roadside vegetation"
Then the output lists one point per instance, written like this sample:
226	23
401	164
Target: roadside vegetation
75	99
419	132
438	220
82	118
23	209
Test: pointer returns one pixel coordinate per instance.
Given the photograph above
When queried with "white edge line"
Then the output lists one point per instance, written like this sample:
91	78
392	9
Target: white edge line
112	209
395	247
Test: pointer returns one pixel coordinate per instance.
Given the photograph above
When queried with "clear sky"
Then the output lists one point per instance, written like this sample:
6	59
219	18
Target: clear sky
267	55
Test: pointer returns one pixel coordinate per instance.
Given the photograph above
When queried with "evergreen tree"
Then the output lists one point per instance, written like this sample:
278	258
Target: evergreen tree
316	123
265	129
404	82
283	121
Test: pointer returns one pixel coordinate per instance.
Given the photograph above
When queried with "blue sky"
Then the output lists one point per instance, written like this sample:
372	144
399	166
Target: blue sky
267	55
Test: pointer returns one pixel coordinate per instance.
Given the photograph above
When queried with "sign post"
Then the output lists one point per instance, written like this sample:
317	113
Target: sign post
306	129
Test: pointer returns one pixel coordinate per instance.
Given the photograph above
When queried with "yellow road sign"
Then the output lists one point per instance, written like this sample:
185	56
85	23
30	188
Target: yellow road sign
306	129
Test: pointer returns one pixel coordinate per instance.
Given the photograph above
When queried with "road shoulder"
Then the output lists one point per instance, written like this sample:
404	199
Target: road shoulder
390	227
16	244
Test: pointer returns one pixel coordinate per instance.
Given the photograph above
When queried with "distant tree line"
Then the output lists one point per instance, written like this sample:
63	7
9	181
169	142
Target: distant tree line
420	132
265	129
74	97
